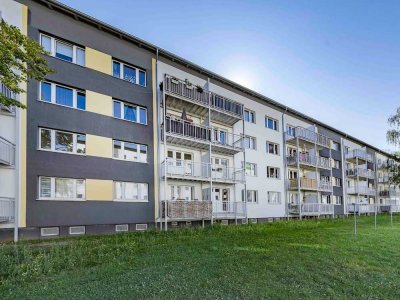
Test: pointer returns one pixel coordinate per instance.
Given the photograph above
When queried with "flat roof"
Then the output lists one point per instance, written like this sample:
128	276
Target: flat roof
78	15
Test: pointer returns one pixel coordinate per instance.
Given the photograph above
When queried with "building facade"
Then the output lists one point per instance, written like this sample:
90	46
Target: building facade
125	136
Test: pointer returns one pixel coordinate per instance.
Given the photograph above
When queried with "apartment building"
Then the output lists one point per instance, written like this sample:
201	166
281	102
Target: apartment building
125	136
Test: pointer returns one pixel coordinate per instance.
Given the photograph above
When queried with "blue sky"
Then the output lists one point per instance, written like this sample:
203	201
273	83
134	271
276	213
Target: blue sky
338	61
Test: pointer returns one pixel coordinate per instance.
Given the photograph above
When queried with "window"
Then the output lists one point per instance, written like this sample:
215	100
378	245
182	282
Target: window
274	198
336	164
252	196
129	151
271	123
63	50
272	148
129	112
249	116
325	178
290	130
65	96
337	181
346	149
292	174
249	142
291	151
54	188
338	200
220	136
62	141
273	172
131	191
251	169
326	199
129	73
335	146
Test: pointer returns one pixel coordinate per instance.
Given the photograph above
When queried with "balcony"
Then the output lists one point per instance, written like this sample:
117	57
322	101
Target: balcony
309	161
187	210
307	136
182	94
189	170
308	184
4	90
7	209
359	155
7	152
361	190
384	179
229	210
361	208
363	173
311	209
389	193
185	133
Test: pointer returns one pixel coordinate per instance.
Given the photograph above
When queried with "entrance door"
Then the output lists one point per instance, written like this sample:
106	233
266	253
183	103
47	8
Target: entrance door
221	197
220	168
180	163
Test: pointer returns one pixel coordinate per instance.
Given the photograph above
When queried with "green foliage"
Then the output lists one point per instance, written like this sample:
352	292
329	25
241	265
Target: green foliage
393	137
20	59
288	260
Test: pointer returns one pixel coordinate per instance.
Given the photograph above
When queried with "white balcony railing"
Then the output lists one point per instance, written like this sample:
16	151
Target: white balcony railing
229	209
7	209
310	160
311	209
308	135
361	208
5	91
362	190
389	193
384	179
365	173
201	133
7	152
188	169
187	90
360	154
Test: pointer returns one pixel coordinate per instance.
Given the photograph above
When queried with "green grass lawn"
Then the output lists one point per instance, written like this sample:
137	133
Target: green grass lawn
309	259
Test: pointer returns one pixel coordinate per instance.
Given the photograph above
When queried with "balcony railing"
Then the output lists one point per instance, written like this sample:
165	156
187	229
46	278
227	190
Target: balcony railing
311	209
184	89
361	208
390	193
360	154
5	91
201	133
187	210
310	160
7	152
362	190
310	184
360	172
308	135
188	169
7	207
229	209
384	179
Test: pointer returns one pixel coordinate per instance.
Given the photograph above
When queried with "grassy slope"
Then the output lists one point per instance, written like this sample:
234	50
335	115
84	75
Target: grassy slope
310	259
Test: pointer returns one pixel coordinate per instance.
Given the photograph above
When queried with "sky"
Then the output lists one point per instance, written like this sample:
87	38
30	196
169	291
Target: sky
335	60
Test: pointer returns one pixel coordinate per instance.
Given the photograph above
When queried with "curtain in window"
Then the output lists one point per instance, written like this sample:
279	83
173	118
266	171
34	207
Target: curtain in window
130	74
118	190
116	69
46	43
64	96
143	115
130	151
45	187
131	191
64	188
80	189
130	113
45	89
64	51
117	153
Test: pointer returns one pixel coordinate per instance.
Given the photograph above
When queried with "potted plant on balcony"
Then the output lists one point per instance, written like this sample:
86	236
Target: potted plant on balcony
189	85
199	89
174	80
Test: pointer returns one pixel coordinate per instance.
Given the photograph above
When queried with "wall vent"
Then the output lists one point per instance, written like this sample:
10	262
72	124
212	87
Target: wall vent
224	222
188	223
174	224
141	227
121	227
49	231
244	221
253	221
77	230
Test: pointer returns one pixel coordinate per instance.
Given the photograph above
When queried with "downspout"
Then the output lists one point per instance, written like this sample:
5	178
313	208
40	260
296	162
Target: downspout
158	145
285	169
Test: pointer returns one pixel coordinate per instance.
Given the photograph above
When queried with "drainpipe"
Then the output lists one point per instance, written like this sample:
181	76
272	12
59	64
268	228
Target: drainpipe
285	169
159	145
17	173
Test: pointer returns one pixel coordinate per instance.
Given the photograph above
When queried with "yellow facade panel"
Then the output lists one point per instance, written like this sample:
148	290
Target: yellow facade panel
98	61
99	190
98	146
99	103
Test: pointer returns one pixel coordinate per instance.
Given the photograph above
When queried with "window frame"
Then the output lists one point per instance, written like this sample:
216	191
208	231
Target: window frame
245	197
53	141
53	43
53	95
251	164
254	143
123	199
53	189
123	150
290	130
121	72
277	171
269	198
274	121
250	112
122	107
267	148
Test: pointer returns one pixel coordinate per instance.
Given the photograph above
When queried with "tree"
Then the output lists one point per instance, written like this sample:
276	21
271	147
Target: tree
21	58
393	137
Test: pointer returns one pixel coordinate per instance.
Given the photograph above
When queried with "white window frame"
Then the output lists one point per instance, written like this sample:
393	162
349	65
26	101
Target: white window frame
53	189
276	145
53	99
334	146
279	202
122	105
290	130
53	141
123	151
277	172
251	113
253	167
254	196
140	193
336	164
121	72
252	142
275	122
337	181
53	42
